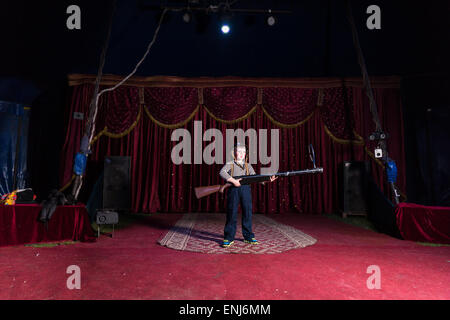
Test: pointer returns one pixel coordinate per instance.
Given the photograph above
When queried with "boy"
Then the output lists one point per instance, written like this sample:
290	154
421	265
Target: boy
238	194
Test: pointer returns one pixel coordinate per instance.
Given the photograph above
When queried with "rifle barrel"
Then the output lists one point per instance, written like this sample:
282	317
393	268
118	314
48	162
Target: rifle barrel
299	172
266	177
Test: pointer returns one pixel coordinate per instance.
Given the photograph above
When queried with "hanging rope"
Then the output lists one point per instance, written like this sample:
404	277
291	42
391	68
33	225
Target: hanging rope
84	147
389	163
132	72
81	157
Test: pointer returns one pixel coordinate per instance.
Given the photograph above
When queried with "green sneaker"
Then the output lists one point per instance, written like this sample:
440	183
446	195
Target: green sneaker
251	241
227	243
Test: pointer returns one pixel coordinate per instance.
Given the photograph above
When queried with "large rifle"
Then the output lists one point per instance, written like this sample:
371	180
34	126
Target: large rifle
201	192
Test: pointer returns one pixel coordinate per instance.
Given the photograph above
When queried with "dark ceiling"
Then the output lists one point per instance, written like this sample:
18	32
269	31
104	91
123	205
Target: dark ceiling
314	40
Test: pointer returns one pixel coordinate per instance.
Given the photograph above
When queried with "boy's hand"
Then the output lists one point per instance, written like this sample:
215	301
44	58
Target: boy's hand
235	182
272	178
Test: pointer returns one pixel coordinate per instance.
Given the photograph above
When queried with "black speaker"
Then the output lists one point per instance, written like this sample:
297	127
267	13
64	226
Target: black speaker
354	187
381	211
116	183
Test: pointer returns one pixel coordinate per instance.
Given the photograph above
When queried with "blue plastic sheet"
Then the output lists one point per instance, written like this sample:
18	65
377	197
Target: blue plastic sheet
14	123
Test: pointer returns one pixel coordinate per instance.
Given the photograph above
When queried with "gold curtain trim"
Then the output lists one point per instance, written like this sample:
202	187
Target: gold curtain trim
118	135
171	126
67	184
98	136
359	141
248	114
282	125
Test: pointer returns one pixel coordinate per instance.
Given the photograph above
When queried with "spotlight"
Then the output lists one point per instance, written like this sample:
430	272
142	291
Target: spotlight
187	17
225	21
271	21
225	28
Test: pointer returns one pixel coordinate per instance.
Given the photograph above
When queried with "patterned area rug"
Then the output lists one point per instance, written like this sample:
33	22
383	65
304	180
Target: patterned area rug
204	233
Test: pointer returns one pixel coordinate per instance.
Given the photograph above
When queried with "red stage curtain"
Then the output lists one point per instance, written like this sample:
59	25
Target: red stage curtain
423	223
333	118
19	225
336	112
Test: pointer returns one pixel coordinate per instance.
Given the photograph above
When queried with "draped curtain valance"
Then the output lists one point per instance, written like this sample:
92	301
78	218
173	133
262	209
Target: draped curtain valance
171	104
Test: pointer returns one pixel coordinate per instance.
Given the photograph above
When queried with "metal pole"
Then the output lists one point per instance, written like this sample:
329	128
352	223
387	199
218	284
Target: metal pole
369	93
85	148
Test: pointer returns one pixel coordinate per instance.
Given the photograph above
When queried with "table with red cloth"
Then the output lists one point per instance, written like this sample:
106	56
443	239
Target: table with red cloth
423	223
19	224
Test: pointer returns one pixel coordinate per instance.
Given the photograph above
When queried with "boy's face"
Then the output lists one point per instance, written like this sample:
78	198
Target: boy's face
240	154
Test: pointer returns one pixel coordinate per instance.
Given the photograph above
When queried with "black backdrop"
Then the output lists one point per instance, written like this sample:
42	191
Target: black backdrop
427	139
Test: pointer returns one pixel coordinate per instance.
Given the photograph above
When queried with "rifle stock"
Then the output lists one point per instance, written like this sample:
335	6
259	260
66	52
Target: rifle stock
201	192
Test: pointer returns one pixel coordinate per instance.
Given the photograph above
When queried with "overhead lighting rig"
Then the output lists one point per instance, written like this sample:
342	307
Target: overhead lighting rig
216	7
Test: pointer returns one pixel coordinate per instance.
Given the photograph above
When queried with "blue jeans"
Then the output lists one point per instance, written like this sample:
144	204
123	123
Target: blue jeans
239	195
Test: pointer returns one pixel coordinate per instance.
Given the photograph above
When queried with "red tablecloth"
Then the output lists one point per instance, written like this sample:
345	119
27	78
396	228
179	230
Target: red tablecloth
423	223
19	225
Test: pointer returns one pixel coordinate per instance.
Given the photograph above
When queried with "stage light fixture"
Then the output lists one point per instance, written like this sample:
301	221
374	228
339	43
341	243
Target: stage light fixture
225	28
271	19
187	17
225	19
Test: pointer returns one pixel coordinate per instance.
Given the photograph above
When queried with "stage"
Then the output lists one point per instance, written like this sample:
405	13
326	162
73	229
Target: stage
132	265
